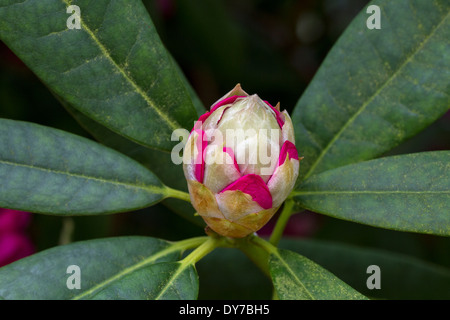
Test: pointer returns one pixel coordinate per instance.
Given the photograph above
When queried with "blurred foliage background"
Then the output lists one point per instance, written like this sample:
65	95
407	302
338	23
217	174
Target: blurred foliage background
273	48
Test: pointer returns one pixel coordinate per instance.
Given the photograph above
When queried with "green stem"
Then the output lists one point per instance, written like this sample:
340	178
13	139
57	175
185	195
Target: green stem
266	245
178	194
68	225
188	244
261	251
281	222
174	247
206	247
255	253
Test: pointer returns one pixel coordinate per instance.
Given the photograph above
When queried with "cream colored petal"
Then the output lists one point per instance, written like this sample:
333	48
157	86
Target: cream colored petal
220	170
227	228
211	122
255	221
203	200
250	129
287	133
256	154
283	180
244	226
189	155
235	204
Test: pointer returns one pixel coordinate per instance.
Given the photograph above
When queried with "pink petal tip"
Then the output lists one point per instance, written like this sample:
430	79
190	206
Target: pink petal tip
225	101
287	148
277	113
231	154
202	143
253	185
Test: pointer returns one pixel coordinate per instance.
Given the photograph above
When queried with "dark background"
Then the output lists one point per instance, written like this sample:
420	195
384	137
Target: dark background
273	48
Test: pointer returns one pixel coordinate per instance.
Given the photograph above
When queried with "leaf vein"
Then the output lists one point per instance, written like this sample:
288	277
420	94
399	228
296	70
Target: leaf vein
164	117
370	99
294	275
152	189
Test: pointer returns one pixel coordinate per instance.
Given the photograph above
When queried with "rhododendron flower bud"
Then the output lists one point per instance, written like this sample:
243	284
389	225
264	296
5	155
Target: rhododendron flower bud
240	163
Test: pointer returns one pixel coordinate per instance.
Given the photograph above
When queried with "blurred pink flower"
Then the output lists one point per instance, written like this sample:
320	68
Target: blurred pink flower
12	220
14	241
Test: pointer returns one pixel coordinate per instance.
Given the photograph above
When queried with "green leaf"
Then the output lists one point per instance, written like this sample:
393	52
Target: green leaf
298	278
46	170
158	161
401	276
161	281
376	88
408	193
119	268
114	69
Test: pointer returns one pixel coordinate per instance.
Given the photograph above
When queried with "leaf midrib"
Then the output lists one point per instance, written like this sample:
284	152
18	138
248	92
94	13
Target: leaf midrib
172	124
293	274
151	189
173	277
369	100
166	251
173	247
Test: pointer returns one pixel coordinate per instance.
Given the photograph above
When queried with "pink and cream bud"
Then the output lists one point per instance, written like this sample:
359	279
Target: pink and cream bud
241	163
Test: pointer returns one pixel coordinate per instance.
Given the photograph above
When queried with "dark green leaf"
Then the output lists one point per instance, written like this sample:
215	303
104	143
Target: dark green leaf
160	281
51	171
407	193
158	161
401	276
104	264
114	69
376	87
298	278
